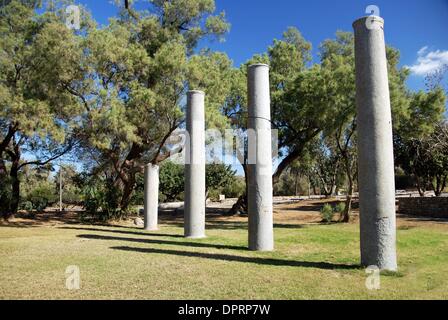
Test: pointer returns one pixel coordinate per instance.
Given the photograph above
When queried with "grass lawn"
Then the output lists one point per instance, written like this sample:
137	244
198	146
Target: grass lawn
311	261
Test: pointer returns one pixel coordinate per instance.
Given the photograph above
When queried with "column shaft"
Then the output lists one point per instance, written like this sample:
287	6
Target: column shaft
195	167
151	197
261	233
375	146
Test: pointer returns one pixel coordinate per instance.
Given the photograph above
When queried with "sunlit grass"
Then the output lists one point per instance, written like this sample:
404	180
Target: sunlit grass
310	262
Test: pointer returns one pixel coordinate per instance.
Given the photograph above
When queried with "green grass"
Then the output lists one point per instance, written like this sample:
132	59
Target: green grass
310	262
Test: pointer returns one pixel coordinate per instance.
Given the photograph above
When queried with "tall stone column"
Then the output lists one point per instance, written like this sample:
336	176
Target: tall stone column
151	197
261	230
375	146
194	225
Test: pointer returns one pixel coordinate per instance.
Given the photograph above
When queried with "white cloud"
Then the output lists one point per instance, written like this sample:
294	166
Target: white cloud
428	62
422	51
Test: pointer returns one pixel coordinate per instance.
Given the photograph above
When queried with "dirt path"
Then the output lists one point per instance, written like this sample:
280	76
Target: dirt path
297	213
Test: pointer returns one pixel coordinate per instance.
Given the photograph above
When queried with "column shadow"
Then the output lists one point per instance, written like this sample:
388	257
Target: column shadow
256	260
126	232
165	242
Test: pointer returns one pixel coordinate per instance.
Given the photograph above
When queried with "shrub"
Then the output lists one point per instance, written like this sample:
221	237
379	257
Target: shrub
235	189
340	207
213	195
327	213
171	181
101	200
27	206
39	197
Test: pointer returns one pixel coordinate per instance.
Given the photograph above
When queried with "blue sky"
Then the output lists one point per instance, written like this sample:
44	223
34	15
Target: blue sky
410	26
418	28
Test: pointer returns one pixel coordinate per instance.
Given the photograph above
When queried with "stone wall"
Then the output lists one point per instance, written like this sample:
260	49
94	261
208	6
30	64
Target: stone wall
436	207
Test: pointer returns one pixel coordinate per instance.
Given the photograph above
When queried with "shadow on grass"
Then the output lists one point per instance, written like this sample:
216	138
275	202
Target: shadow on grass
261	261
228	225
317	206
165	242
126	232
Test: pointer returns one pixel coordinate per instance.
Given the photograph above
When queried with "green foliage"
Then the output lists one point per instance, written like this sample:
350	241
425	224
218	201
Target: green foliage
425	158
119	92
235	188
327	213
137	70
100	198
27	206
39	197
39	55
421	141
426	111
38	191
71	193
339	208
292	183
193	19
171	181
217	176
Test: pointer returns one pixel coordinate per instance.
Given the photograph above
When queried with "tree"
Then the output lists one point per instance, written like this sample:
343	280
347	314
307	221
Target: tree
426	158
137	73
327	164
337	58
38	190
217	177
294	118
417	141
71	193
172	180
36	114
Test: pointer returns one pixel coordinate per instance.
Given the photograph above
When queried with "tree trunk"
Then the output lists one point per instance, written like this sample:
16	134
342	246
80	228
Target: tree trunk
309	187
421	189
126	175
444	183
295	154
348	201
440	185
15	187
296	187
241	205
15	182
4	199
334	180
4	183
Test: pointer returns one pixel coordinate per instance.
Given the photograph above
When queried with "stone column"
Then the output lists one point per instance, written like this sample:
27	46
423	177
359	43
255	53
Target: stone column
375	146
261	231
151	200
194	225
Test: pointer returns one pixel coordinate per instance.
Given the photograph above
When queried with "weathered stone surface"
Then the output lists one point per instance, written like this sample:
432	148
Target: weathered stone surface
194	226
375	146
261	231
151	201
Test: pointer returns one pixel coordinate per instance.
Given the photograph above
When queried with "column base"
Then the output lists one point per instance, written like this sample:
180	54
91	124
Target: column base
151	229
195	237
